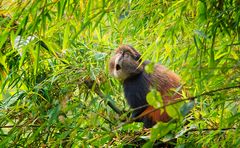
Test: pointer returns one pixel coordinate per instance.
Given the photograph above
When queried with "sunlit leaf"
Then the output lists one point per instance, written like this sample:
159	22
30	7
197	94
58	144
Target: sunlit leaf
149	68
174	110
154	98
148	144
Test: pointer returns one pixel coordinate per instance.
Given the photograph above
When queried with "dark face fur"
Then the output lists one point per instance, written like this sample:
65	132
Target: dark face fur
125	63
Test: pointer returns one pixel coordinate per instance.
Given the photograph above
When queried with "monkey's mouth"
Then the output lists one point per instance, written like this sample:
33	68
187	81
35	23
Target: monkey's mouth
118	67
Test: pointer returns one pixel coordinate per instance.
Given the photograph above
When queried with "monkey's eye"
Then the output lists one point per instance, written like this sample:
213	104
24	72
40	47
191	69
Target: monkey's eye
118	67
121	52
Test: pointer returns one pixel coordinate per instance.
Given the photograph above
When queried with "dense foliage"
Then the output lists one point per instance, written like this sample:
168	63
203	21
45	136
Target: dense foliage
56	89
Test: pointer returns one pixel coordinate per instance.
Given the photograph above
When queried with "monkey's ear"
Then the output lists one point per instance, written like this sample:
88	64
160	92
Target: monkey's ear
138	57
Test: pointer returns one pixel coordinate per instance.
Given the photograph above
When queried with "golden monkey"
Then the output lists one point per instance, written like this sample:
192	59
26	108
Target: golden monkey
125	66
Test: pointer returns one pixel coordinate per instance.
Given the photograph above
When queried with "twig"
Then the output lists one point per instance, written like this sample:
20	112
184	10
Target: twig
212	91
212	129
91	85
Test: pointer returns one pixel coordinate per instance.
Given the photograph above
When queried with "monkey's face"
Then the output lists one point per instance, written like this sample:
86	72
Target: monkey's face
125	63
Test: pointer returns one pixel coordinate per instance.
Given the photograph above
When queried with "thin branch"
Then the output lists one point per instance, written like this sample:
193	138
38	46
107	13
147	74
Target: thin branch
91	85
212	91
212	129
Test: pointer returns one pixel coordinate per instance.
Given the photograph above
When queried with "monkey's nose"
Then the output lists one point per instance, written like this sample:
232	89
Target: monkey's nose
118	67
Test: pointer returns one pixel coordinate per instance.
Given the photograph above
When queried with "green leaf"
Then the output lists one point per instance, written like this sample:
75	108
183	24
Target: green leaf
3	38
66	37
202	11
154	98
11	100
161	129
149	68
148	144
103	140
99	56
135	126
53	113
174	110
187	107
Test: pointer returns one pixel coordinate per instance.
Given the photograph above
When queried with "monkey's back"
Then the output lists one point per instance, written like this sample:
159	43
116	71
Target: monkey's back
137	87
165	81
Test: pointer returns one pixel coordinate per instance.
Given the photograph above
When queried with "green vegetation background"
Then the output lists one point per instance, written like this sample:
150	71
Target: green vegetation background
56	90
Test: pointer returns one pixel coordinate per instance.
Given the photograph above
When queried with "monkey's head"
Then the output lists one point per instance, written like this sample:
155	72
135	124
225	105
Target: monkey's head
125	63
